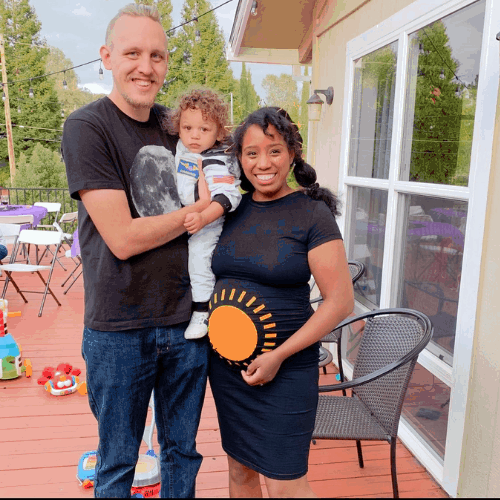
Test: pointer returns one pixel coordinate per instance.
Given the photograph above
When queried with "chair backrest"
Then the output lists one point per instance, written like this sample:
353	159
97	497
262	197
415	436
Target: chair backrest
51	207
35	237
356	269
16	219
388	336
68	217
10	232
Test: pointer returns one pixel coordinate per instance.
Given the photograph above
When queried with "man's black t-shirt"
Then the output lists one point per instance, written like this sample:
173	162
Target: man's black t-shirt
103	148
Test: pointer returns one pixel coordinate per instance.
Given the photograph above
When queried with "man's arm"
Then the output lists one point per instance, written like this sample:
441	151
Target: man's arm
125	236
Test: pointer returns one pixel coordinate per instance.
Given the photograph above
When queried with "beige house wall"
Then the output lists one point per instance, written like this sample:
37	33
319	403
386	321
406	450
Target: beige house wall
480	467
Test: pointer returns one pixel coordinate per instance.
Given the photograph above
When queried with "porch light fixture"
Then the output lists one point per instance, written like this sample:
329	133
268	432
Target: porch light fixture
314	102
253	10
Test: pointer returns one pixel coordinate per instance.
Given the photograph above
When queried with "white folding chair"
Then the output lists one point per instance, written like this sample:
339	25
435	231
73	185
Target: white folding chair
70	218
79	263
52	208
24	221
10	233
34	237
17	219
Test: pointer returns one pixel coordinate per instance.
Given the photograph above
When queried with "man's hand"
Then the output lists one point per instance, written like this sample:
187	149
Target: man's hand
194	222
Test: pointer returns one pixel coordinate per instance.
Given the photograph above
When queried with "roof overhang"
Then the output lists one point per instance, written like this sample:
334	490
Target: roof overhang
279	33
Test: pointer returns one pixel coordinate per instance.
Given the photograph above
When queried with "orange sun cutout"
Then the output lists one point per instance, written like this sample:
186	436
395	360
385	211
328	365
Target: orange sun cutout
234	335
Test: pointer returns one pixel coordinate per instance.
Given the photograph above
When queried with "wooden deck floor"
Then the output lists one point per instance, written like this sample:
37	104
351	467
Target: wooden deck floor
42	437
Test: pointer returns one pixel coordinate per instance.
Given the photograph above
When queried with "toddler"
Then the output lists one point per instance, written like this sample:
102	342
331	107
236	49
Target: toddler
201	121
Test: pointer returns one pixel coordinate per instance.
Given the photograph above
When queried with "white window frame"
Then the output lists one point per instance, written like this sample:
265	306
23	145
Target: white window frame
399	27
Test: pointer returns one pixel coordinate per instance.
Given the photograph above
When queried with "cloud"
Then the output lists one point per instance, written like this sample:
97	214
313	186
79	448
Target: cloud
82	11
96	88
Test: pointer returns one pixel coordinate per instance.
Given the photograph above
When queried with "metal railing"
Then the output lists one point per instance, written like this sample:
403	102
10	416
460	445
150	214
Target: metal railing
29	196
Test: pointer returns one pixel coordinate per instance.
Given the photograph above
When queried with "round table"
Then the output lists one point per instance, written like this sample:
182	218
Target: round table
37	212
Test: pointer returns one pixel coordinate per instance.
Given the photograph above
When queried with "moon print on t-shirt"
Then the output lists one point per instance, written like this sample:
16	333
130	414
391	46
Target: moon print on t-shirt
153	183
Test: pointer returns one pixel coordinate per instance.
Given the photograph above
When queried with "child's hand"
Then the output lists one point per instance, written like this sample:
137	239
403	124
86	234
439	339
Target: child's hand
203	191
194	222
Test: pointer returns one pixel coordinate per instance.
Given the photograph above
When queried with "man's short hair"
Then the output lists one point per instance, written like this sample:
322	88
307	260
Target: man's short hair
135	10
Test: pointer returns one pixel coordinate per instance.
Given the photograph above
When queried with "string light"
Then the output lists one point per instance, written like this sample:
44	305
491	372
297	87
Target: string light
19	109
171	30
62	113
65	85
31	93
101	72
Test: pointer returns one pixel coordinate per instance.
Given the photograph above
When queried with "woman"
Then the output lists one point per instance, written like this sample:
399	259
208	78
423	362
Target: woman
269	246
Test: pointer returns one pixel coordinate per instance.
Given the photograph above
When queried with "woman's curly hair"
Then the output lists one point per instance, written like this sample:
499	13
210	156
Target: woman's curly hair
210	103
305	175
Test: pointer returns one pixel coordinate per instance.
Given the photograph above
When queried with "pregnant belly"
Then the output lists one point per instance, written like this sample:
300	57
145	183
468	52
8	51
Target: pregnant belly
245	321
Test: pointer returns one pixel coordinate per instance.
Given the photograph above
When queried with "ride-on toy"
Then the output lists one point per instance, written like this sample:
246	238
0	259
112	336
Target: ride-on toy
147	471
62	380
11	365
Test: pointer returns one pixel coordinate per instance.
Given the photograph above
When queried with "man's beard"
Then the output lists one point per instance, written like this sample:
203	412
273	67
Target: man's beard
138	104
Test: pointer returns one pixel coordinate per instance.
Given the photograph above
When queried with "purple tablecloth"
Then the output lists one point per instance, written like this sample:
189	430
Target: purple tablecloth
37	212
423	228
75	247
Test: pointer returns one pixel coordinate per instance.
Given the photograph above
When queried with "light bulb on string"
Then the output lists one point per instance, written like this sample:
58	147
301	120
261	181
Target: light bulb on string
65	85
62	113
442	75
19	109
3	96
31	93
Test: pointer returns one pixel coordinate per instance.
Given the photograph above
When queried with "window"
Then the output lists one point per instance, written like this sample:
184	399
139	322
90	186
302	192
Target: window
411	116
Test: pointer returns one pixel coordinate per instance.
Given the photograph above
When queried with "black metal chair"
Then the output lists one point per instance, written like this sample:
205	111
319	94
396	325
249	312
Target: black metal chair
391	342
356	269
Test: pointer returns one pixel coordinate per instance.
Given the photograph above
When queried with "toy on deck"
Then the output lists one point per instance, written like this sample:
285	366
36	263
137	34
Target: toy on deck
11	365
62	380
147	471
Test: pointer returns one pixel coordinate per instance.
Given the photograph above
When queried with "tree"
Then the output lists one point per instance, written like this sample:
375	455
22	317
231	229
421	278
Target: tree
26	57
282	91
73	97
438	110
247	98
197	55
44	168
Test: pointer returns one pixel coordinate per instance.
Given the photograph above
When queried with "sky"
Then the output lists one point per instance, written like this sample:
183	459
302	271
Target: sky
78	28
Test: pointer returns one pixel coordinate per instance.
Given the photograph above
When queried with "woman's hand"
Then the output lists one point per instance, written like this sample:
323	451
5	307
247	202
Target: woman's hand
263	369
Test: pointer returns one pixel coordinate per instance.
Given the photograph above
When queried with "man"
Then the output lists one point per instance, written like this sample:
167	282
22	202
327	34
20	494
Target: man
120	164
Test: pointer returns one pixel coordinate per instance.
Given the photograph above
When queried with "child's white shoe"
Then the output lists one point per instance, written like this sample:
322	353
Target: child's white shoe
198	326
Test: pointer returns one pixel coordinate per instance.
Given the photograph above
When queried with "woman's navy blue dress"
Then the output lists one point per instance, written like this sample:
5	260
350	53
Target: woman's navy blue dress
262	269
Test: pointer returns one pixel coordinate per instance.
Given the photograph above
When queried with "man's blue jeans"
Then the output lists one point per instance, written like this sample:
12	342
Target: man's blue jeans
122	370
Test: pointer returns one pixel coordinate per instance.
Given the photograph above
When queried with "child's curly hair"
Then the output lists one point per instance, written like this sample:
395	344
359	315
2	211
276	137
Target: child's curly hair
210	103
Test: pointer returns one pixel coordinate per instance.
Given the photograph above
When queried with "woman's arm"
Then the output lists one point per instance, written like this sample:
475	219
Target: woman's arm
329	267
